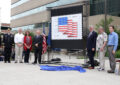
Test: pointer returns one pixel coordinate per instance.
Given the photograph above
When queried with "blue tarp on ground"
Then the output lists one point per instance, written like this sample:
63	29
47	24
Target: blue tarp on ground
62	68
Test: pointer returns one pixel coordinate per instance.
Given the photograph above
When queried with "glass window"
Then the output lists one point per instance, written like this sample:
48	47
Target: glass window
19	3
28	27
46	24
97	7
33	26
43	8
38	25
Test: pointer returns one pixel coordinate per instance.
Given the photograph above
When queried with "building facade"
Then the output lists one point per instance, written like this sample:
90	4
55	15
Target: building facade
33	14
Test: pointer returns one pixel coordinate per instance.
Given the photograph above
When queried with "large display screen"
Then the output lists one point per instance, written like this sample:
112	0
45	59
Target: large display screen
67	27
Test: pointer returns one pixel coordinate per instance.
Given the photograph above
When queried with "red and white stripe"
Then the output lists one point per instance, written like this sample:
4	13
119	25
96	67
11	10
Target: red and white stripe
44	45
63	28
70	29
74	30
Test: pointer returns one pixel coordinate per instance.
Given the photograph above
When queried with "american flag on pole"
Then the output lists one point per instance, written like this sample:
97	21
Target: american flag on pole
67	27
44	44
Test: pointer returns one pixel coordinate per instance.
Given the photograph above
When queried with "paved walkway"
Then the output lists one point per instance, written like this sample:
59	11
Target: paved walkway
28	74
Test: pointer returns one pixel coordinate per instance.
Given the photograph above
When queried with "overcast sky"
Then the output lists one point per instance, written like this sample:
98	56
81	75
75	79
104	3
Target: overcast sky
5	6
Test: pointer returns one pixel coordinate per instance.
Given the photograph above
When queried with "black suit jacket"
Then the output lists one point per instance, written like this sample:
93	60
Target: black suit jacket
91	41
8	40
38	40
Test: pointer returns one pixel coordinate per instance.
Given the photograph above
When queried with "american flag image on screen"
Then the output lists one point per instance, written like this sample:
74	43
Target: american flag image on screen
67	27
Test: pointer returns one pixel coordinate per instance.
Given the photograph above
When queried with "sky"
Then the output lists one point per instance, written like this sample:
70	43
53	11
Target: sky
5	12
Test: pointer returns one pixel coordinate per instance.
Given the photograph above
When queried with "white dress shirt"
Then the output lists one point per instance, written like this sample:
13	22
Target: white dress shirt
19	38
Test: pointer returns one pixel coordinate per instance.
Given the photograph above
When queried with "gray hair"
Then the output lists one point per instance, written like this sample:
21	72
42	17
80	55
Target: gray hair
20	29
101	28
91	26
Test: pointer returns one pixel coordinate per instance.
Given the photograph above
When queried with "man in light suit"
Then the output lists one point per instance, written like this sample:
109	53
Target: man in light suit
101	47
91	46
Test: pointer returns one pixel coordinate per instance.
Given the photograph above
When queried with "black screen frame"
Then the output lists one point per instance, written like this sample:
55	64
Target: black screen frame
68	44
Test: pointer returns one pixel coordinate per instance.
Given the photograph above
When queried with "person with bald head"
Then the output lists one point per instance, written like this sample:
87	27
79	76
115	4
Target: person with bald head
19	38
101	47
37	42
91	46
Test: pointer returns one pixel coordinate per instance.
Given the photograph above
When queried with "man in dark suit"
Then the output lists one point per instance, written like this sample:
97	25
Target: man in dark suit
37	42
8	40
91	45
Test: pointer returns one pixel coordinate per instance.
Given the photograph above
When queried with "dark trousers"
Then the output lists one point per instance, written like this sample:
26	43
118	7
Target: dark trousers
38	53
27	54
7	54
91	55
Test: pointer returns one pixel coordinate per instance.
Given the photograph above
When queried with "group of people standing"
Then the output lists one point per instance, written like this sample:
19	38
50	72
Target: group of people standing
95	42
101	43
23	43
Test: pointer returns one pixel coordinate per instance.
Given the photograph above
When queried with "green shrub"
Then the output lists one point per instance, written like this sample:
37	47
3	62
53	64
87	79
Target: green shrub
117	55
109	21
106	54
102	23
32	34
118	32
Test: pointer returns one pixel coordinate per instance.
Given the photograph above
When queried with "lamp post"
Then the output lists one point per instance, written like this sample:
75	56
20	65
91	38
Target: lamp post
105	15
49	35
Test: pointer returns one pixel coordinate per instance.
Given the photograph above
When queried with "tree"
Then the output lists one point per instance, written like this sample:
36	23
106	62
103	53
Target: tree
109	21
102	23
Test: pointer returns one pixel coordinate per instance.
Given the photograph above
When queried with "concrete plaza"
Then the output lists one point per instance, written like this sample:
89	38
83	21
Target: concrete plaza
28	74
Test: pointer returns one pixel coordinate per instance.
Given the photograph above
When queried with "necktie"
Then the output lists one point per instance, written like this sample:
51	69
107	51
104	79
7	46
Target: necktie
90	34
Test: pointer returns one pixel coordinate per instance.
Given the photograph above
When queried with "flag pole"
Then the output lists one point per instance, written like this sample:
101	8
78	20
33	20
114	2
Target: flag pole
44	28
